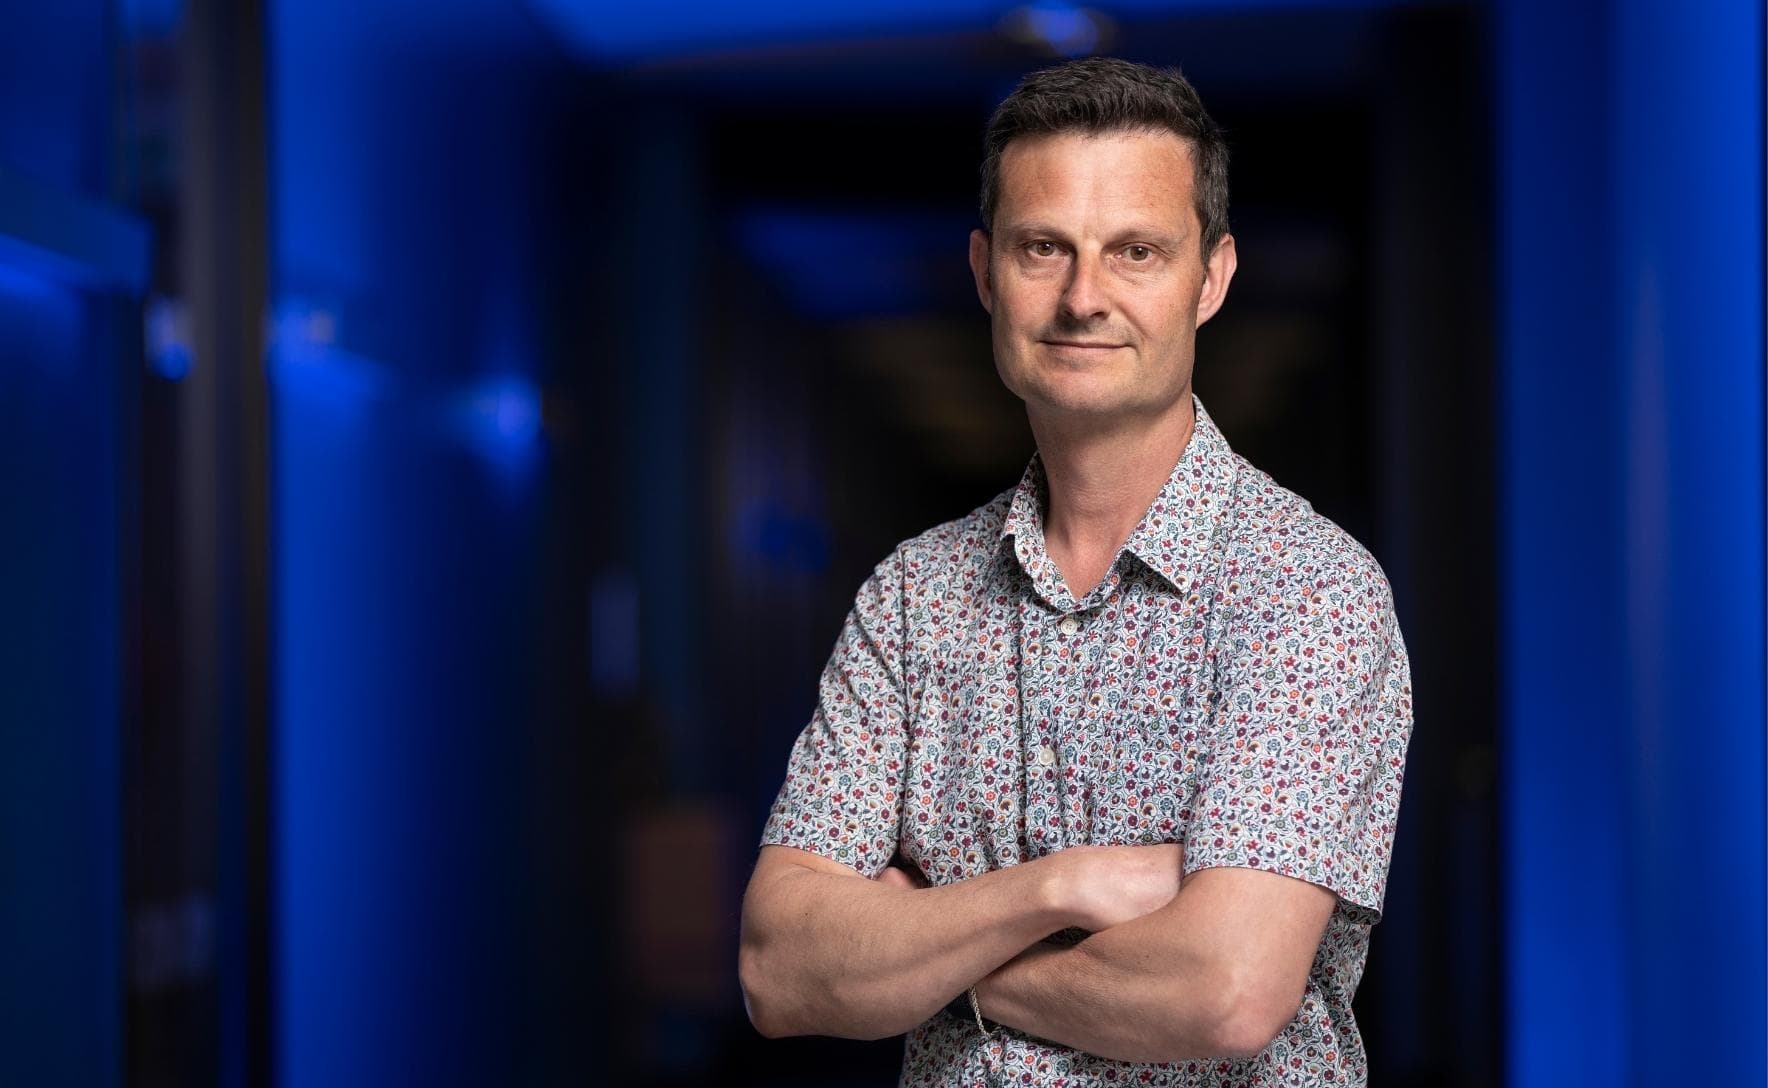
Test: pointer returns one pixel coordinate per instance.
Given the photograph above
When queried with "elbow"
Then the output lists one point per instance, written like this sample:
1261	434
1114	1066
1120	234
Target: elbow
1249	1017
1242	1035
1229	1014
778	1009
758	1000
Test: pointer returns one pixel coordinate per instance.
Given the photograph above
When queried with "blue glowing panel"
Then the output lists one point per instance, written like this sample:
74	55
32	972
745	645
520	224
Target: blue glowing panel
61	915
1563	620
403	575
601	31
63	410
403	200
55	106
69	238
1688	136
1631	197
408	466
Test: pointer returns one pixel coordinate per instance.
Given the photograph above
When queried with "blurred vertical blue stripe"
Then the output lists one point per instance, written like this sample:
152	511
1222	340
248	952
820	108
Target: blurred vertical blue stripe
1688	139
68	263
1631	201
408	471
1563	639
61	863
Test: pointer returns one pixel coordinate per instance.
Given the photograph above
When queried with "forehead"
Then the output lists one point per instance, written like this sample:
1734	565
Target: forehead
1140	174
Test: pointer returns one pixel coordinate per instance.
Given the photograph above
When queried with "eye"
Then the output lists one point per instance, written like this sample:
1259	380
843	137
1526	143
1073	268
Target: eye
1139	254
1042	249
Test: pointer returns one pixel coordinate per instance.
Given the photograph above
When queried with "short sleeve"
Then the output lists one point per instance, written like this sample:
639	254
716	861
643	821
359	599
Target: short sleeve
841	797
1308	751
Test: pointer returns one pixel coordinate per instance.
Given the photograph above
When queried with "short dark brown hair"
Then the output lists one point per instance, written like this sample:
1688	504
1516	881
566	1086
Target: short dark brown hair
1103	94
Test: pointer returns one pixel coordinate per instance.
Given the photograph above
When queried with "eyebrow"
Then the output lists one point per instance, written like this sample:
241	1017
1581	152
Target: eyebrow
1155	236
1015	232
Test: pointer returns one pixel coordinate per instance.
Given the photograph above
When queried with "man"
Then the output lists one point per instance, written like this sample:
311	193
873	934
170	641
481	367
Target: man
1148	694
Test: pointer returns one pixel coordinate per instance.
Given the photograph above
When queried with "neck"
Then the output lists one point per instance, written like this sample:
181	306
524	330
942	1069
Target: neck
1101	481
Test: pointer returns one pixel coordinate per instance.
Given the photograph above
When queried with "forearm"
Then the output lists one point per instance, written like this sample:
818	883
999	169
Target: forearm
1217	972
1135	992
835	954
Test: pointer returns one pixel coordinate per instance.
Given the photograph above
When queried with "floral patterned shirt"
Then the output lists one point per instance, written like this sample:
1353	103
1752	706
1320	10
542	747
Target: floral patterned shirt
1236	683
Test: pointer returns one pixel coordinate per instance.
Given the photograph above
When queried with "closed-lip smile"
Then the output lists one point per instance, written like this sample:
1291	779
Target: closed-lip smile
1078	344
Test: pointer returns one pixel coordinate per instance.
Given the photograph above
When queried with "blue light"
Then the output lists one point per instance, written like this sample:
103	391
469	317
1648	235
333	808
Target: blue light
22	282
1633	553
168	341
42	318
505	411
151	18
64	236
500	419
305	361
629	32
848	264
518	415
632	30
782	539
1070	31
408	513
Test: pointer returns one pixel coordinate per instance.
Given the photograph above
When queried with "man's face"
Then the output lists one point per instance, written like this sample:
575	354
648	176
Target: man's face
1094	277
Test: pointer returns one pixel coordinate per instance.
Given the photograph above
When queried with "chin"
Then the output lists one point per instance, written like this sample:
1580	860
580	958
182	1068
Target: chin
1097	401
1079	403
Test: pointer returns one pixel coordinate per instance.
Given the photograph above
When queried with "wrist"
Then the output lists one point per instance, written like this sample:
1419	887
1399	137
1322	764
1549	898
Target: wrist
982	1023
1062	890
996	993
985	992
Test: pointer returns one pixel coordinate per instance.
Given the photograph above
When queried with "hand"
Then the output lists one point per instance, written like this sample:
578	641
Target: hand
1106	886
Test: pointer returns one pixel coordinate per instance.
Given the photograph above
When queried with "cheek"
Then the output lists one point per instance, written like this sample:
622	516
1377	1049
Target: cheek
1021	298
1004	337
1167	320
1012	324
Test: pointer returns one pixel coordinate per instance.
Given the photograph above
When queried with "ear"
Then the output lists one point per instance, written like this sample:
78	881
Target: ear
979	249
1217	271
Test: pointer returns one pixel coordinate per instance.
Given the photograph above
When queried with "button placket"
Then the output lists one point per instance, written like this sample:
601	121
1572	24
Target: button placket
1069	728
1081	733
1042	702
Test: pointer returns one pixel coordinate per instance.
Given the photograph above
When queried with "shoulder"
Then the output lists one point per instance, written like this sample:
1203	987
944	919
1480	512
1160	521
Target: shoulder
951	555
1284	553
1312	607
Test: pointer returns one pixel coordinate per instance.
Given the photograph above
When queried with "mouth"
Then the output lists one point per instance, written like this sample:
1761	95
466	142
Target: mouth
1086	345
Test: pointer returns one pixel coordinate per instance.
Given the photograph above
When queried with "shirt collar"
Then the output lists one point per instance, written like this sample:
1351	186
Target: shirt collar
1174	534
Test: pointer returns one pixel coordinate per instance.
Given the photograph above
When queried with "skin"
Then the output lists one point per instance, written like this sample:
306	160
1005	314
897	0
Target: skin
1096	284
826	952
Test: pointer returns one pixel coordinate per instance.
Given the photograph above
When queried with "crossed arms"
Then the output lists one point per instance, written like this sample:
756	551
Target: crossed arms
1209	965
1213	966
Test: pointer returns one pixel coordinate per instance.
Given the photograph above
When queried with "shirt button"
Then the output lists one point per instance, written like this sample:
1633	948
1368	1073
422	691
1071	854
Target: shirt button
1069	624
1046	755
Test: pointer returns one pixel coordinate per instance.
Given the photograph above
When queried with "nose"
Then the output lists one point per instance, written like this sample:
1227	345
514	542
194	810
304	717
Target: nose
1083	299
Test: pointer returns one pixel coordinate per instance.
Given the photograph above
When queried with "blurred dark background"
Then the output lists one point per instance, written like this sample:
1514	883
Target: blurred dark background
439	443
